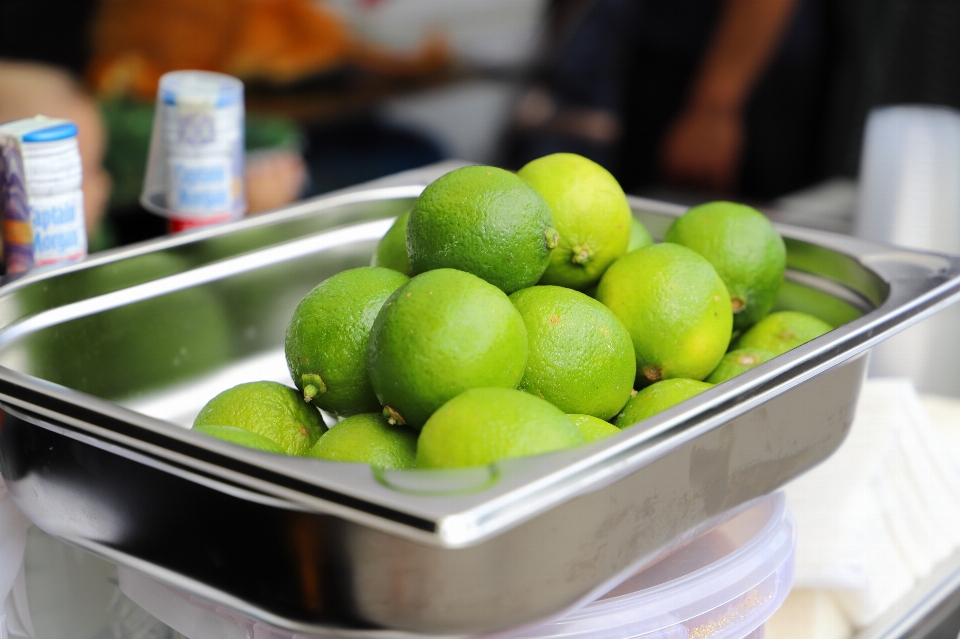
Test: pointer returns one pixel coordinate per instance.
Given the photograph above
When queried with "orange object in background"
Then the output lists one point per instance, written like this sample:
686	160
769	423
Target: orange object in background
137	41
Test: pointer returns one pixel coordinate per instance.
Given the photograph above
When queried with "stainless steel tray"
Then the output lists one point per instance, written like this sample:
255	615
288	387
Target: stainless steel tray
103	363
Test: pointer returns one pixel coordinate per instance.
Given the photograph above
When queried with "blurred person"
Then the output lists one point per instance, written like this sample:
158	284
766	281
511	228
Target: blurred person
721	96
43	52
28	89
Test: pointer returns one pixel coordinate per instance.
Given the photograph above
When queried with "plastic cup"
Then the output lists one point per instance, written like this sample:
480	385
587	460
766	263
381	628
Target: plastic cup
195	168
910	196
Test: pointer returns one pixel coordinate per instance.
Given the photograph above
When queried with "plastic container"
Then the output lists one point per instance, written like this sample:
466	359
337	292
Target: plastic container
724	585
196	165
41	198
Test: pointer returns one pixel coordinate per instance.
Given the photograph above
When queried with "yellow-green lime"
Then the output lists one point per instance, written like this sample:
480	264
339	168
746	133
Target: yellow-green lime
658	398
738	361
392	250
675	308
368	439
484	425
485	221
782	331
743	246
269	409
592	428
581	357
639	235
327	338
439	334
242	437
590	212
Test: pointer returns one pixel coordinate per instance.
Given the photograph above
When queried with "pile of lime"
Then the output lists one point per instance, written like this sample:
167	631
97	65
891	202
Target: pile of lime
514	314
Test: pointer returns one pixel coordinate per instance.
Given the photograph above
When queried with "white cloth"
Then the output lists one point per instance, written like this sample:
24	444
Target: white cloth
14	613
883	511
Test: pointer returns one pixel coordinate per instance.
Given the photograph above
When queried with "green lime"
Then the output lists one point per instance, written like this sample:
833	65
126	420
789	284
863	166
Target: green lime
639	236
271	410
657	398
581	357
485	221
738	361
392	249
779	332
242	437
439	334
592	428
743	246
590	211
327	338
675	307
368	439
483	425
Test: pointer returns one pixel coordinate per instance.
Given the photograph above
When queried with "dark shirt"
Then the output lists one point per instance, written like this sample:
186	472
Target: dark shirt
55	32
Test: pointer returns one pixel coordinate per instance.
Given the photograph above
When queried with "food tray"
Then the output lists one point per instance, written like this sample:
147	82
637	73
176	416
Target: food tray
104	362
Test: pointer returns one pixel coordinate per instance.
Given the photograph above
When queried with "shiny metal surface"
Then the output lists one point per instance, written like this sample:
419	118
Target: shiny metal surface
104	362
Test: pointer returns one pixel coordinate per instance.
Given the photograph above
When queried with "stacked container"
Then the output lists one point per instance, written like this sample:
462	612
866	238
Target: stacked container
724	585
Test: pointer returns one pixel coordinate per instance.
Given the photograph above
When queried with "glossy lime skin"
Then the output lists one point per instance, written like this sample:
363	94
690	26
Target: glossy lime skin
485	221
738	361
242	437
439	334
592	428
581	356
329	333
590	212
392	250
675	308
657	398
484	425
745	249
783	331
368	439
271	410
639	236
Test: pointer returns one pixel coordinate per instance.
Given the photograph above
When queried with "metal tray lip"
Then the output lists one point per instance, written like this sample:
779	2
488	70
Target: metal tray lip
495	513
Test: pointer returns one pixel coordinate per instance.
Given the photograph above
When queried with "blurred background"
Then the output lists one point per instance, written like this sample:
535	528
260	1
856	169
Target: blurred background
839	114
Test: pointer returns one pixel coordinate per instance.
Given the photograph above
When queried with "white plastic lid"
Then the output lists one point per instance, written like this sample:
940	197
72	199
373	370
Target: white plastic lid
724	585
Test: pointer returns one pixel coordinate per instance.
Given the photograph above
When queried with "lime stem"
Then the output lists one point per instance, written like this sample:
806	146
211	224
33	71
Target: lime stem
553	237
393	417
581	254
312	386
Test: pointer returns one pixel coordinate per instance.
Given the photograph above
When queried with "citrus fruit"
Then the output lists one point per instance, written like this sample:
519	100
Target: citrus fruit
743	246
657	398
483	425
368	439
590	212
581	357
675	308
592	428
784	330
485	221
242	437
738	361
271	410
392	250
639	235
439	334
326	343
